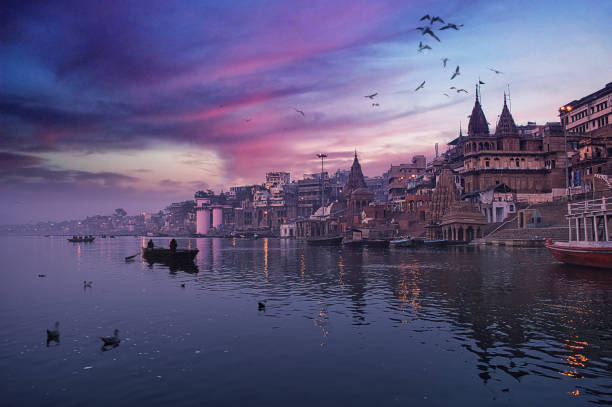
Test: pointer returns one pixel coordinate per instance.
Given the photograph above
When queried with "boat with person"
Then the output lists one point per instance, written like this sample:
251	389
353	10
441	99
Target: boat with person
589	242
81	239
162	255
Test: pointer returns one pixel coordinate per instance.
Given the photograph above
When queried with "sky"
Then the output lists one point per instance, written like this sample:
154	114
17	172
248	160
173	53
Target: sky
137	104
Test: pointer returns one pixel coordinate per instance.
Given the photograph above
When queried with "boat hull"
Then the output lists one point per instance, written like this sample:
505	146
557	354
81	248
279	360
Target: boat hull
440	242
402	243
325	241
375	243
352	243
582	255
82	240
166	256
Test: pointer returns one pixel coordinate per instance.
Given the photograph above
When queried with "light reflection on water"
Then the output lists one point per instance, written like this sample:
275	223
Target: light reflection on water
463	325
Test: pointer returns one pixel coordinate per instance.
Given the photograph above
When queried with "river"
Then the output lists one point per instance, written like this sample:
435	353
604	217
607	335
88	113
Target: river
461	326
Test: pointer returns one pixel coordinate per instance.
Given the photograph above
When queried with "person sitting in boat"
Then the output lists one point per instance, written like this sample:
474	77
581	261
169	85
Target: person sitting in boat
173	245
150	245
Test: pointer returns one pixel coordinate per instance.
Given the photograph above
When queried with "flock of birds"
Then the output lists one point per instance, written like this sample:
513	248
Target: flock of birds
108	342
425	30
428	30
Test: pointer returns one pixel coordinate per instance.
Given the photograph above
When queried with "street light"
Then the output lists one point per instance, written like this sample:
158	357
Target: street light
322	156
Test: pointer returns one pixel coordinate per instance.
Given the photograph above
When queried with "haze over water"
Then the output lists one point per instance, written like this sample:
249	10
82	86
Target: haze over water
350	327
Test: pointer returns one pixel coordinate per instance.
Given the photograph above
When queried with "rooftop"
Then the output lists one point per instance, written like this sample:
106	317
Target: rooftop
589	98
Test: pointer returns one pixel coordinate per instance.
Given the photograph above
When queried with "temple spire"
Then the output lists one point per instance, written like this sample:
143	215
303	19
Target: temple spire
477	96
355	179
460	131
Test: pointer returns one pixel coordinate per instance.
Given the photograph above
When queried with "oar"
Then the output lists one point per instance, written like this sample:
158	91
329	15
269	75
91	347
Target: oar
131	257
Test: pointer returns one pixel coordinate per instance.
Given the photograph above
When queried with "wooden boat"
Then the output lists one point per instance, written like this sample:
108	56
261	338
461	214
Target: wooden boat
589	239
403	242
352	242
325	241
82	239
591	254
376	242
437	242
159	255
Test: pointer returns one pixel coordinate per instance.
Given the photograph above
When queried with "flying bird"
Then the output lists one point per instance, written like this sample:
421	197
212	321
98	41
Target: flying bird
496	71
421	29
444	61
87	284
480	82
299	111
446	94
372	96
456	73
420	86
248	120
425	17
453	26
452	87
461	90
375	104
422	47
428	31
436	18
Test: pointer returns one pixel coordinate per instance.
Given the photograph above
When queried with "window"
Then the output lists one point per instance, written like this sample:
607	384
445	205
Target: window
552	164
487	163
517	162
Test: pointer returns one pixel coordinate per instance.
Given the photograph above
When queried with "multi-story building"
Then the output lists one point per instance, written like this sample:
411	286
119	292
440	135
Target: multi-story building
589	119
276	178
589	113
399	177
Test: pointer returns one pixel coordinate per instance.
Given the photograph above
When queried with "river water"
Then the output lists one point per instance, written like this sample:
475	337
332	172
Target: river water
455	326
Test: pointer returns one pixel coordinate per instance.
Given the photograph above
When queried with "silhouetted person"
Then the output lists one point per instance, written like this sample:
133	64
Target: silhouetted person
172	245
150	245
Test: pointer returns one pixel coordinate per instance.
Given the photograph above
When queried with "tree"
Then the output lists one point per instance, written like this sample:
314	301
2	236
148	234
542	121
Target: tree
120	212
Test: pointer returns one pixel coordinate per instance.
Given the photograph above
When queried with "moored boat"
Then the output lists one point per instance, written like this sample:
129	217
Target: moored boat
376	242
437	242
591	254
402	242
352	242
589	235
325	240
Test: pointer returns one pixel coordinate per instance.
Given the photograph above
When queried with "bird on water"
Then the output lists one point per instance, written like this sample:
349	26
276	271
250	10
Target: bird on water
111	341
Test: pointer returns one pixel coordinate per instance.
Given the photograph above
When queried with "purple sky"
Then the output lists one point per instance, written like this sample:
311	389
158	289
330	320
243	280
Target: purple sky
137	104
